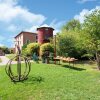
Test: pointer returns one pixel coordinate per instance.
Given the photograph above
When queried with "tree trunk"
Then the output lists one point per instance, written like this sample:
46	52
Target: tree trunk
98	59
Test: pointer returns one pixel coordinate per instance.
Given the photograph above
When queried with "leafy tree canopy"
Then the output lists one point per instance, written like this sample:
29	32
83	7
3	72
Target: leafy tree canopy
72	25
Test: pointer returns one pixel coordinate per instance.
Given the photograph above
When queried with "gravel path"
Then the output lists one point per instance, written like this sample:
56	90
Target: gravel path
6	59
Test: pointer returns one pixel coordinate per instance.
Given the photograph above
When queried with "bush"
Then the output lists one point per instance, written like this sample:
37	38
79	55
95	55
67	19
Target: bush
32	48
24	46
24	50
46	46
6	50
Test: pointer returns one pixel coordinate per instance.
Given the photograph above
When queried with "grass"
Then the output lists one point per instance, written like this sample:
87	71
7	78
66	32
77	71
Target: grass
0	60
53	82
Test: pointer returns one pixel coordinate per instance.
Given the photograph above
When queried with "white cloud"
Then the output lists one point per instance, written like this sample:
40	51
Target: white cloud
81	16
16	18
85	12
84	1
32	29
9	11
54	24
57	25
11	2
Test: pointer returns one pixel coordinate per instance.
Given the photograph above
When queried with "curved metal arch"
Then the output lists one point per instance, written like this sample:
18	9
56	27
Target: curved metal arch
20	76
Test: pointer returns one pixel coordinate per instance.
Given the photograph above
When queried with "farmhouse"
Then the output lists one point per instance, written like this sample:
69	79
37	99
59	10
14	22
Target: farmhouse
42	35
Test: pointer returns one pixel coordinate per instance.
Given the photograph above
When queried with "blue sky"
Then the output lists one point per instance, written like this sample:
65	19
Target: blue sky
27	15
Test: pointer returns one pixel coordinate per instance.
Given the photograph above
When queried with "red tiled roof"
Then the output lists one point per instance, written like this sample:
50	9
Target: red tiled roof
24	32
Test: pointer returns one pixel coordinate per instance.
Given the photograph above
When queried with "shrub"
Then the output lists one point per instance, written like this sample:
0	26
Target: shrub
24	50
46	46
32	48
6	50
24	46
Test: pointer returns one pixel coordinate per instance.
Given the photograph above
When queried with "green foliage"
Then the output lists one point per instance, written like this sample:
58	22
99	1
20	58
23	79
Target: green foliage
12	51
24	46
69	43
24	49
90	56
32	48
72	25
78	39
46	46
91	31
65	44
6	50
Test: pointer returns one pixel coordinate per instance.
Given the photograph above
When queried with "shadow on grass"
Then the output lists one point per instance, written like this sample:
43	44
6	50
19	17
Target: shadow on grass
74	68
85	62
34	80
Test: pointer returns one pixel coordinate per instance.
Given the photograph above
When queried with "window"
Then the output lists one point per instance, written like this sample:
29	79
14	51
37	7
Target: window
36	37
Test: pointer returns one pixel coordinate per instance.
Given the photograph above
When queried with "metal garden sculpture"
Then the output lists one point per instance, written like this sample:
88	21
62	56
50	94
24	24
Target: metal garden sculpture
21	72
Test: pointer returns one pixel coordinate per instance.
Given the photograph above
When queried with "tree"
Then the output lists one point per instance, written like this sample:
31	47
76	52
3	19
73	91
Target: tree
69	41
72	25
65	44
91	34
6	50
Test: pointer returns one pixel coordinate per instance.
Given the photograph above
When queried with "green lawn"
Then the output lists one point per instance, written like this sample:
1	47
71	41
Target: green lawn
0	60
53	82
